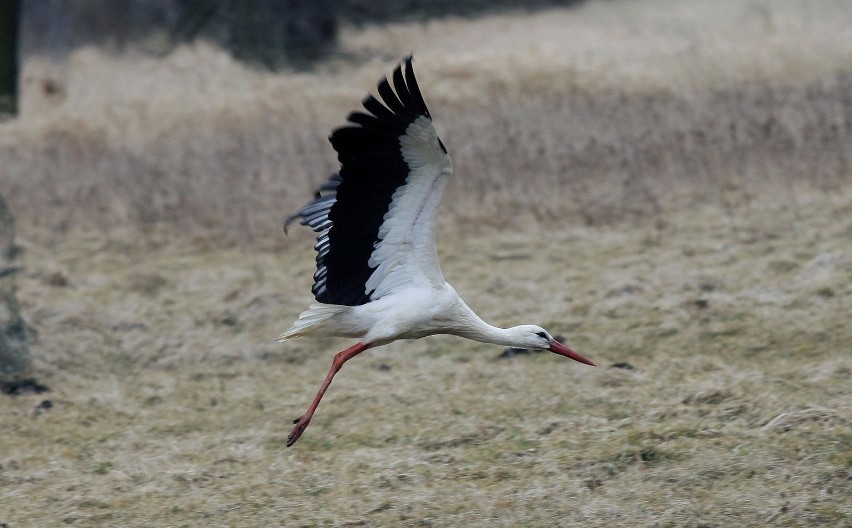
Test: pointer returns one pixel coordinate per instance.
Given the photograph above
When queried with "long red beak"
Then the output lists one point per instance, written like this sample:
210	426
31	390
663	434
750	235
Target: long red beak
558	348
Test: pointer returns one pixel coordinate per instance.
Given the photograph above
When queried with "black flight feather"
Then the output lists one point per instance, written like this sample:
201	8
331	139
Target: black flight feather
349	209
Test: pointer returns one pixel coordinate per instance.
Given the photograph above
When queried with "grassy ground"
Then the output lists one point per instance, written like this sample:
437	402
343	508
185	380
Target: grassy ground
171	404
664	183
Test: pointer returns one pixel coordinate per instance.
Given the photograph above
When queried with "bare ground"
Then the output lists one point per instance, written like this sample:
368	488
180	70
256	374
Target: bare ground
171	404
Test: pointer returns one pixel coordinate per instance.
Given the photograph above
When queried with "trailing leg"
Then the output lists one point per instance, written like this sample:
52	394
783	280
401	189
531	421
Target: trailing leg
303	421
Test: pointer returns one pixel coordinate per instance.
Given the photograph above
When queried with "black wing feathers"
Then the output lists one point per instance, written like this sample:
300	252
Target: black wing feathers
356	200
414	90
380	111
391	100
315	212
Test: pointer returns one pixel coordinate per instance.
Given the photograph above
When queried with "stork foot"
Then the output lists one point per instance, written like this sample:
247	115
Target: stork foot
301	424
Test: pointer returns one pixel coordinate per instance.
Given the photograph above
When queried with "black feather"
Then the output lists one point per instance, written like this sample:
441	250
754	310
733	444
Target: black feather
349	209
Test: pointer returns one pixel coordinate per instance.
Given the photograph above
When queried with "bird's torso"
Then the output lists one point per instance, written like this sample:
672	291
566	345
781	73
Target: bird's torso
409	313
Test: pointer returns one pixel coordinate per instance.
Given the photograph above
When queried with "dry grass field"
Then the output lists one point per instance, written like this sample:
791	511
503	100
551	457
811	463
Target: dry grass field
615	109
664	183
171	404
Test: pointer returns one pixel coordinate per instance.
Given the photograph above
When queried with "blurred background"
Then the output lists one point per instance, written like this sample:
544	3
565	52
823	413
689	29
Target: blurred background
665	183
213	115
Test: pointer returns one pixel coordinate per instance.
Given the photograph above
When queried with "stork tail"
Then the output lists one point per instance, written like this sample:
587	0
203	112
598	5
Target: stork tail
311	320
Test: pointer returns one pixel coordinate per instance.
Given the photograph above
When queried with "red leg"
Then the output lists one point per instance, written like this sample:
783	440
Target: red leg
341	358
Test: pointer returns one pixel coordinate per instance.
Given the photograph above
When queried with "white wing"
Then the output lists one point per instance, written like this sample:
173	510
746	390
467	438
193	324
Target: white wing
406	252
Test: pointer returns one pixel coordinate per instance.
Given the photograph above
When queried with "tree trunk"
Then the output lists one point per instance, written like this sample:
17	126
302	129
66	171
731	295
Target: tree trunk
15	363
9	11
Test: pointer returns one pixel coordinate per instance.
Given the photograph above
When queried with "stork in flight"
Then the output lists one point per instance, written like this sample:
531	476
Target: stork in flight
378	278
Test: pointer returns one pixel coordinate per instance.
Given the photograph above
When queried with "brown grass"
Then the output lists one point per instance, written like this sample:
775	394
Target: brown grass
725	123
171	402
602	113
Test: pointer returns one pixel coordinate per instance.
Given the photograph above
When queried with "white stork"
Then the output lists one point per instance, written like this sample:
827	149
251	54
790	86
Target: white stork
378	278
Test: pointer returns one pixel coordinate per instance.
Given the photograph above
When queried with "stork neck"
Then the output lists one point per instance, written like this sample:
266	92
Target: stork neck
495	335
478	330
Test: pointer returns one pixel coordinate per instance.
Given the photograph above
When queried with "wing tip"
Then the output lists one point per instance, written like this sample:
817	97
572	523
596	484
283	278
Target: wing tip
319	205
413	88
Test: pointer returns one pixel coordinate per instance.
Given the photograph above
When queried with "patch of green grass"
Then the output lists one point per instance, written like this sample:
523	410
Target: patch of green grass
103	468
525	444
647	455
152	400
825	292
666	332
93	503
783	266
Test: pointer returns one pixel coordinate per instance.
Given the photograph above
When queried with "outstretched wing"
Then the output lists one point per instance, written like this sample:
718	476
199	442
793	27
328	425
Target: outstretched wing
376	217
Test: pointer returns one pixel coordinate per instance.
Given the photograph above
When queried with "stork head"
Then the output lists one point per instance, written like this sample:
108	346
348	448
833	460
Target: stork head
535	337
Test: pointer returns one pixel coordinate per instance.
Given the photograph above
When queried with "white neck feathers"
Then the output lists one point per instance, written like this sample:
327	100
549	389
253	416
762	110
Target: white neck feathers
471	326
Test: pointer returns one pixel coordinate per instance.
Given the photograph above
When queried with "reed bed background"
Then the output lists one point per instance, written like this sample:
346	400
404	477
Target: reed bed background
600	113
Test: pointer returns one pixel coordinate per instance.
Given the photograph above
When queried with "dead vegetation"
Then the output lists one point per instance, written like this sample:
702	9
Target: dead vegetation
718	313
616	112
722	396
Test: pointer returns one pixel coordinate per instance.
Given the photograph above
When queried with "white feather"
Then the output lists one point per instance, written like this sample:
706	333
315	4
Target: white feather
406	255
311	320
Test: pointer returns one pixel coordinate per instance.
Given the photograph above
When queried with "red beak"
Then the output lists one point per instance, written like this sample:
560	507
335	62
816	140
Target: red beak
558	348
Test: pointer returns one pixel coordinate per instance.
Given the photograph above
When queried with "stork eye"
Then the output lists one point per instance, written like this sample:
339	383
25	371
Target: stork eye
541	335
